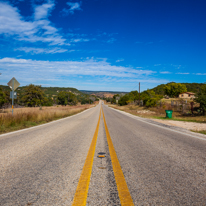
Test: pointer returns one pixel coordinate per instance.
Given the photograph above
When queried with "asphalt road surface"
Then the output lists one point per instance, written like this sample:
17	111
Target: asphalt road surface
161	166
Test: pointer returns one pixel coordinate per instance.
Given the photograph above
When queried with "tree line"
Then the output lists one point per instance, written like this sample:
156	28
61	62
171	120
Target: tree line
150	98
33	96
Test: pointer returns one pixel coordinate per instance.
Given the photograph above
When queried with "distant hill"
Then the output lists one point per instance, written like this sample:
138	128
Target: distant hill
49	91
191	87
102	93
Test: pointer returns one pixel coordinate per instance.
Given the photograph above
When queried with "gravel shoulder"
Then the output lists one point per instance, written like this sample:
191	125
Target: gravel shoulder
186	125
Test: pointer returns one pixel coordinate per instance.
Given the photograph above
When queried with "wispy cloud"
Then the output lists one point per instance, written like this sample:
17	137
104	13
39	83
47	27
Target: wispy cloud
73	6
200	73
182	73
79	40
176	66
112	40
38	30
43	10
42	50
27	68
165	72
120	60
148	43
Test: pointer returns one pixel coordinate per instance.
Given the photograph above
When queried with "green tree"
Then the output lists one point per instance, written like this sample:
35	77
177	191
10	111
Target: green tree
65	98
201	99
124	100
62	98
134	95
174	89
33	96
114	98
72	99
2	97
149	98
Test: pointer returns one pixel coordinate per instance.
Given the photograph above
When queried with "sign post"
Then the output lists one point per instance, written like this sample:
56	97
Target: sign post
13	84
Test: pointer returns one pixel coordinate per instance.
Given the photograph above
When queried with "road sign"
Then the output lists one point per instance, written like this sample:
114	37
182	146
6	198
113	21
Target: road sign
13	84
15	95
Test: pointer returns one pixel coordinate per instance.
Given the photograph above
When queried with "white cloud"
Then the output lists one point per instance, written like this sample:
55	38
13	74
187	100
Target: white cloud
28	69
73	6
79	40
176	66
39	30
42	50
200	73
165	72
43	10
112	40
120	60
182	73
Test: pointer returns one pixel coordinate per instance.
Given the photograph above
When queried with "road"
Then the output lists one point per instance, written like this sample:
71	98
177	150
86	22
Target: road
154	165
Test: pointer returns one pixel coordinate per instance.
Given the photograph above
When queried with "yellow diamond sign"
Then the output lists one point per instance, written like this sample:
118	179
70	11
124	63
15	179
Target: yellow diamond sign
13	83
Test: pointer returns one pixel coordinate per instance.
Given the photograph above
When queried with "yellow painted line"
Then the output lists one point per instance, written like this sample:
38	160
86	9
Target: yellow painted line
80	197
101	156
124	194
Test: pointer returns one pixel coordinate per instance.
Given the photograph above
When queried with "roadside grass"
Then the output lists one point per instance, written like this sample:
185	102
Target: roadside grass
158	113
186	119
28	117
201	131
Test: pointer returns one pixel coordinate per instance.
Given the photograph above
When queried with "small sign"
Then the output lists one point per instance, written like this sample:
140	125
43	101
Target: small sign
15	95
13	83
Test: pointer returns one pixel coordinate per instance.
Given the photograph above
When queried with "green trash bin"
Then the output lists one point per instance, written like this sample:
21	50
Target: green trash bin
168	113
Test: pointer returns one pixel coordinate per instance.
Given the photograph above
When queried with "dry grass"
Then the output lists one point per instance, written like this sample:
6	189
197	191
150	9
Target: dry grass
158	113
27	117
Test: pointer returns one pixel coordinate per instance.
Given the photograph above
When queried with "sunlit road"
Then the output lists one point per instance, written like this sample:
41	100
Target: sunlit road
43	165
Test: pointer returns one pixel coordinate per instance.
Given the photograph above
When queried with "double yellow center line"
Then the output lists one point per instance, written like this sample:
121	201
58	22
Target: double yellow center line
80	197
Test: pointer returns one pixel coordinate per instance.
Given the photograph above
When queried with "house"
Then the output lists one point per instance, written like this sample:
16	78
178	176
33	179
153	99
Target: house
187	95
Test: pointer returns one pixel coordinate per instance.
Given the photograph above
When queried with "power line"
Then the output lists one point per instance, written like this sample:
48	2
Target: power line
135	86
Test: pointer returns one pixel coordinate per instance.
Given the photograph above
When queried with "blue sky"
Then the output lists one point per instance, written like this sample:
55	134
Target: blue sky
103	44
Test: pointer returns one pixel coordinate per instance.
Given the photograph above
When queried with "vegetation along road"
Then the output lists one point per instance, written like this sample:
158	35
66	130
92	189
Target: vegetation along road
102	156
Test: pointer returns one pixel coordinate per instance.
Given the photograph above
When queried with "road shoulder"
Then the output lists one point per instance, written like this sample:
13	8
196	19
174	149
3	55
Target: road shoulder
163	125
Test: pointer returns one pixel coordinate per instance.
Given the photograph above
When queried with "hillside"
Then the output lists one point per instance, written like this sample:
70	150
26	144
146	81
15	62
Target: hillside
50	91
191	87
103	93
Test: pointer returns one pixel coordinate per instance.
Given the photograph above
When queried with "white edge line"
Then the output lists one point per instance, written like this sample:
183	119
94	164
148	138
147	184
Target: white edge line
34	127
138	118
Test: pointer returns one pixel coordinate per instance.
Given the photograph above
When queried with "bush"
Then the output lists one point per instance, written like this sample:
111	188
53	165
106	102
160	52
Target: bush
2	97
33	96
201	99
66	98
